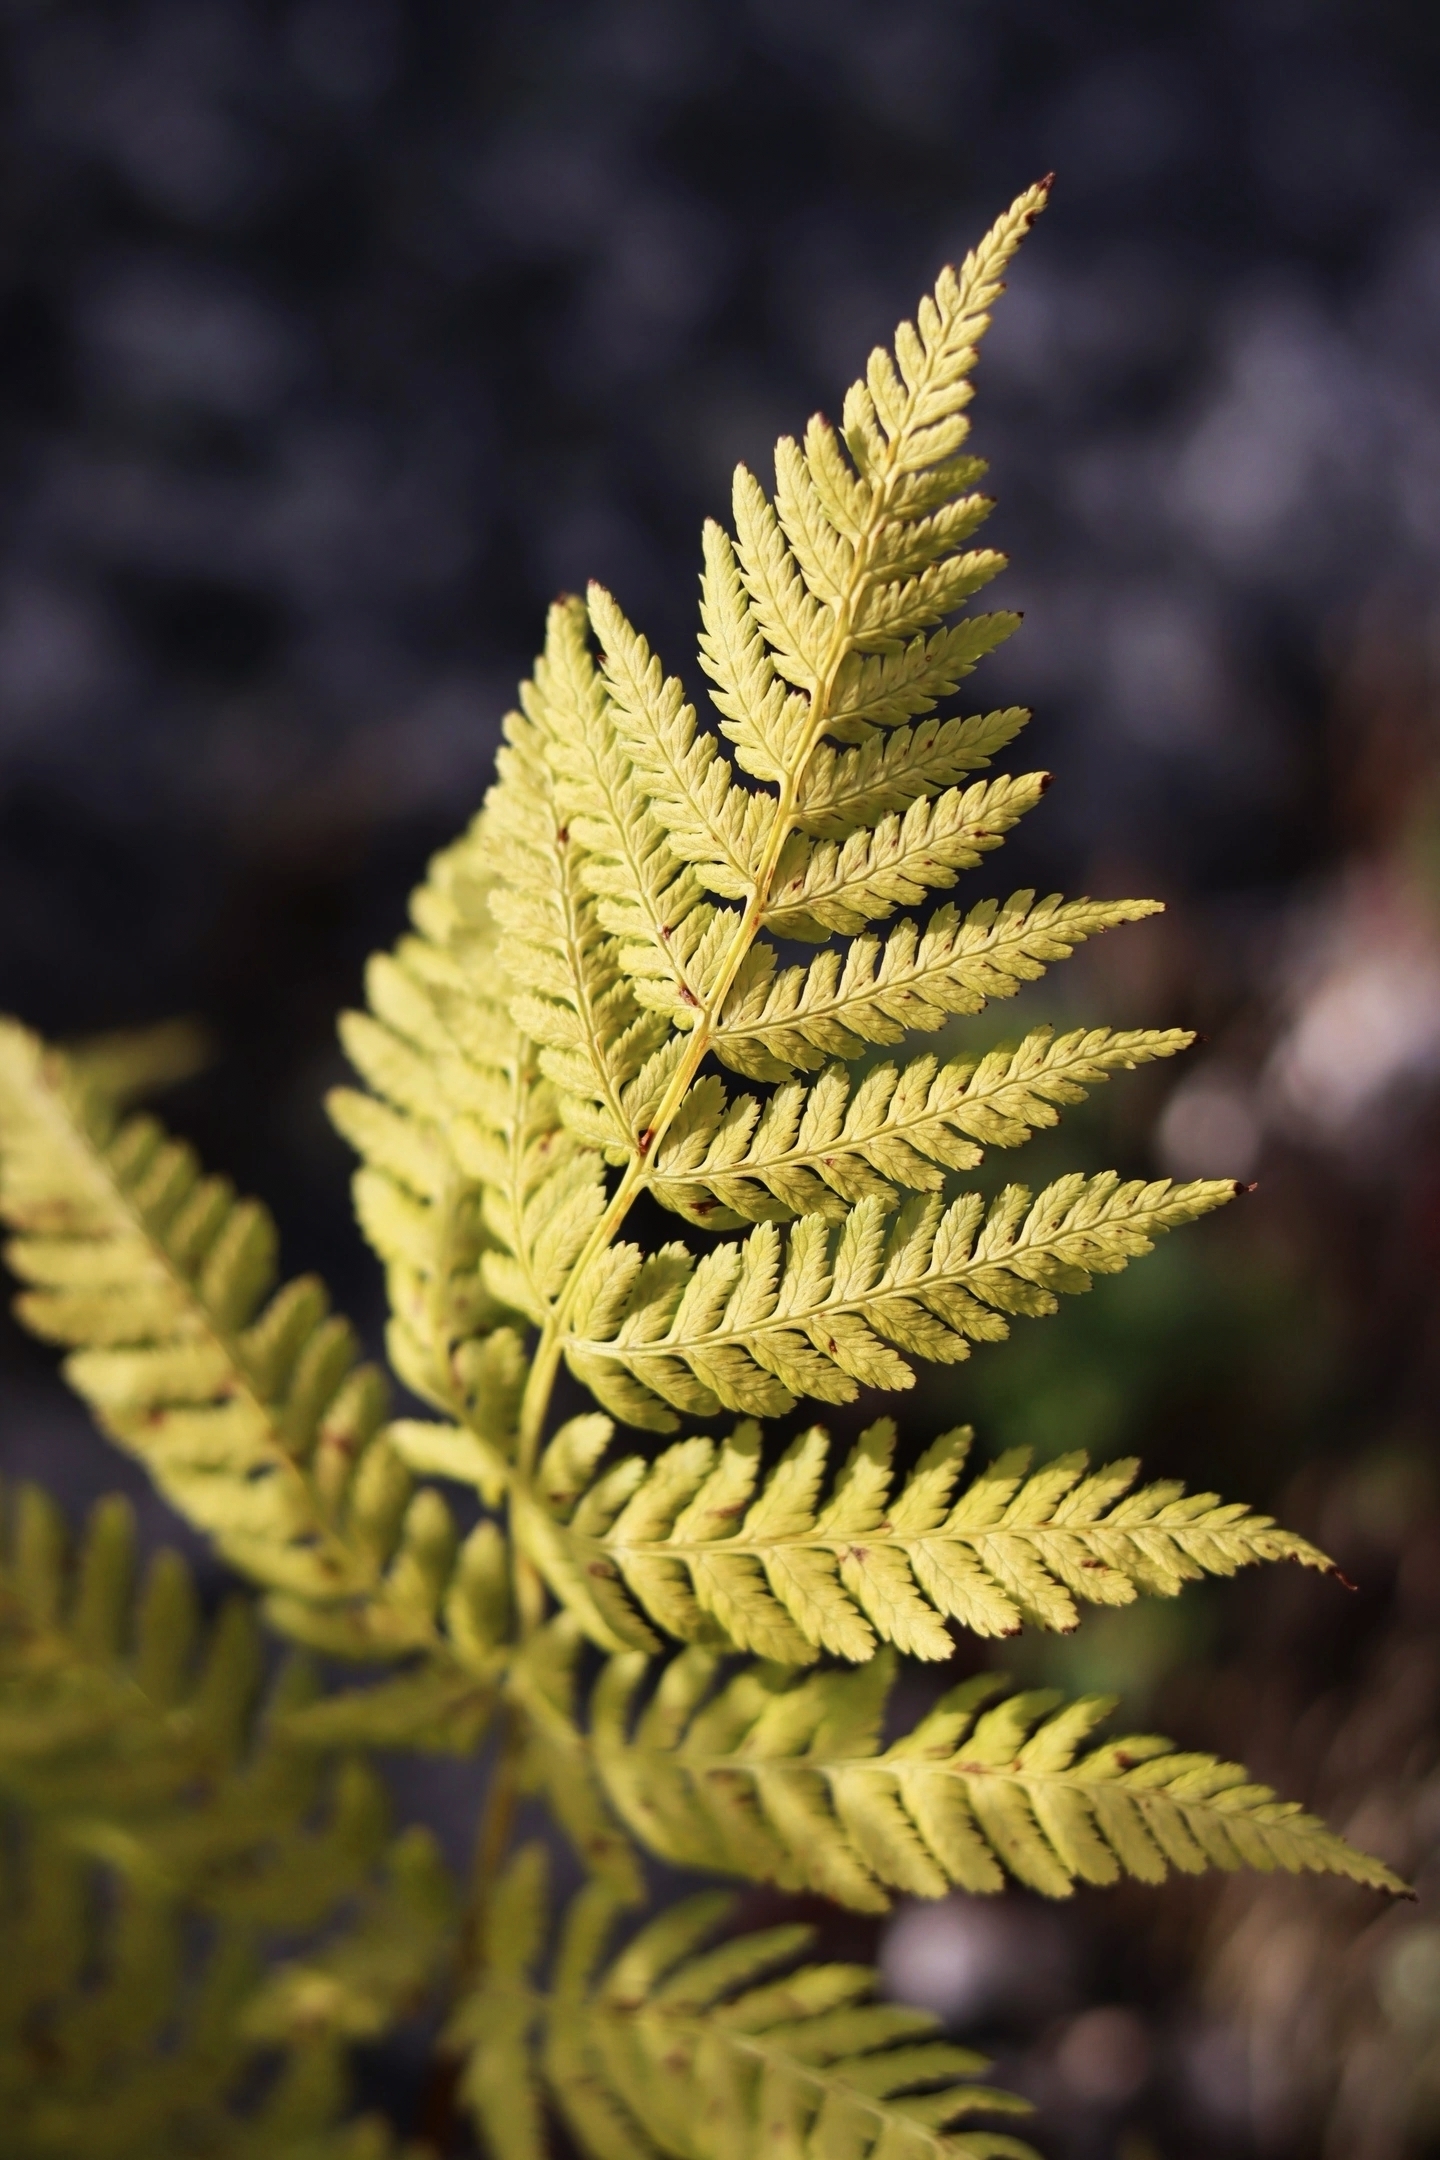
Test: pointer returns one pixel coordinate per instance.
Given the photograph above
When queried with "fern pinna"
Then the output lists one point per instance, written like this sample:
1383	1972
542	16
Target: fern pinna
687	1644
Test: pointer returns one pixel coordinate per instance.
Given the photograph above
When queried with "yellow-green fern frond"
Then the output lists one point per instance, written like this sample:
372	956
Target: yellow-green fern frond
135	1731
158	1828
712	1550
755	1325
834	588
203	1901
102	1687
141	2044
816	1150
248	1407
784	1779
705	2053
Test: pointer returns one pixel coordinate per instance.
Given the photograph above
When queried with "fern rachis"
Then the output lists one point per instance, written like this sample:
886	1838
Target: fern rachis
687	1646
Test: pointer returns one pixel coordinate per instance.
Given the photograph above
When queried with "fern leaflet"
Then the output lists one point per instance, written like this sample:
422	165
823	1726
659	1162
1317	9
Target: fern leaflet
812	1150
711	1551
249	1409
782	1778
756	1325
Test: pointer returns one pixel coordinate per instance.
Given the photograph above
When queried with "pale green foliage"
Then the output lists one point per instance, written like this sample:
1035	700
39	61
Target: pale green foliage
809	1151
555	1040
713	2054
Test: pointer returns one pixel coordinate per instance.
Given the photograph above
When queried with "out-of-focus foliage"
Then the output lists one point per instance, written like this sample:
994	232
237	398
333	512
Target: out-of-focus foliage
162	1837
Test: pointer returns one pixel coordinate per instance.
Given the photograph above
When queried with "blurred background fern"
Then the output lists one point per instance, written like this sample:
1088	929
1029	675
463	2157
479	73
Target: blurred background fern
339	335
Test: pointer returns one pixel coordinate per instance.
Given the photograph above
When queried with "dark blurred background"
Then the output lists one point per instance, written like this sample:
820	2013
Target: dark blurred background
336	337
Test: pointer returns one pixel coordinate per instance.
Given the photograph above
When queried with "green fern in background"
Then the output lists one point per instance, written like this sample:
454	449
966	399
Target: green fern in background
687	1649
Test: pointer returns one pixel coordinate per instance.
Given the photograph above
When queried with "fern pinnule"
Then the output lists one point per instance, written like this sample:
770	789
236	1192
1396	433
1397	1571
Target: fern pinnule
756	1326
783	1020
885	774
821	886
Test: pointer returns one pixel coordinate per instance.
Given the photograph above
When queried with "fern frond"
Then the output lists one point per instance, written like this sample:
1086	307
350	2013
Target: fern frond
134	2063
833	589
777	1022
157	1825
755	1325
706	2053
783	1778
116	1701
816	1150
713	1551
249	1409
97	1683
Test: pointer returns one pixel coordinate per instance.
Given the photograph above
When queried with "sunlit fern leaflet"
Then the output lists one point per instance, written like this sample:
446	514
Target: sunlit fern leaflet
782	1777
714	1549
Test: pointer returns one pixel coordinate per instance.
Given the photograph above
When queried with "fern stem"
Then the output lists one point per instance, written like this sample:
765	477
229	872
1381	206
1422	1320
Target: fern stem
492	1837
438	2115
